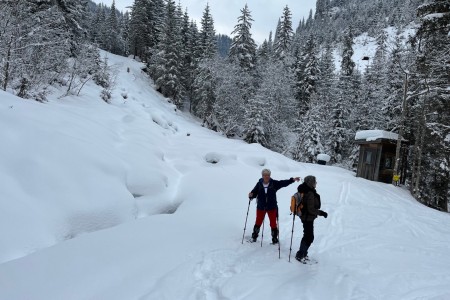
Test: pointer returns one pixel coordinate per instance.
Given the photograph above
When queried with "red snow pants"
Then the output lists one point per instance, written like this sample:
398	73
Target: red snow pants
260	214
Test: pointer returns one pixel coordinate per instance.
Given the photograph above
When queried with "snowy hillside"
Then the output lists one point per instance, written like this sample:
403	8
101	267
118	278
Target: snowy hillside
135	200
365	47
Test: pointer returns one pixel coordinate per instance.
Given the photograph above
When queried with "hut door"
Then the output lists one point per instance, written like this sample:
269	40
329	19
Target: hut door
369	163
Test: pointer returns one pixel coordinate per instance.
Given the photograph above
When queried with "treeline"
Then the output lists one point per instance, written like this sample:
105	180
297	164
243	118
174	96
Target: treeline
45	42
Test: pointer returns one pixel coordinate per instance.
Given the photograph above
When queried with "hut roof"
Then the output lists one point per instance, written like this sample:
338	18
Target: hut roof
373	135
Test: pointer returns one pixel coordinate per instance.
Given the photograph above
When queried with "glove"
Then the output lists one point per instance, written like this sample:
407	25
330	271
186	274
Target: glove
323	214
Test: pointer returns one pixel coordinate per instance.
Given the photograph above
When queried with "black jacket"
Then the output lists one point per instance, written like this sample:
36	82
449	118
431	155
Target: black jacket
311	202
269	201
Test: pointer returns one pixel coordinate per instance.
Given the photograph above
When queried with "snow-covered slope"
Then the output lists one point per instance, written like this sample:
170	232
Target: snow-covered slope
135	200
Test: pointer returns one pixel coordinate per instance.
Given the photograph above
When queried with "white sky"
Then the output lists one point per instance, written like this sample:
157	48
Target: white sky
225	13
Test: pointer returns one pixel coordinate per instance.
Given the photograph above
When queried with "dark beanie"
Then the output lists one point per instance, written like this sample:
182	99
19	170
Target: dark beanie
310	180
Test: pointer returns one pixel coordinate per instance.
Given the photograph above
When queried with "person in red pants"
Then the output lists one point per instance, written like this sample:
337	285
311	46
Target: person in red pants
265	191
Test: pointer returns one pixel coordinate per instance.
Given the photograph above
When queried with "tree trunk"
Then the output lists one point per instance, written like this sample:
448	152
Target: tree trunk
7	65
419	157
401	129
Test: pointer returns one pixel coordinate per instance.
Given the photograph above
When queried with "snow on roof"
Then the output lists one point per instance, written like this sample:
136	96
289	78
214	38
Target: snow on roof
373	135
433	16
324	157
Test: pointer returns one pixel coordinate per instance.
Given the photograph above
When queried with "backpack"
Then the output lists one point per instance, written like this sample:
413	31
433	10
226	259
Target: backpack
297	204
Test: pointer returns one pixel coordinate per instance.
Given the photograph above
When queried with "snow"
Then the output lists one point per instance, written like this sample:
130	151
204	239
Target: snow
135	200
365	46
434	16
373	135
323	157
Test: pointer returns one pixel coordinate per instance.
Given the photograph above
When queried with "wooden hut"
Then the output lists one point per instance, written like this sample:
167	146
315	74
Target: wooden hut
377	155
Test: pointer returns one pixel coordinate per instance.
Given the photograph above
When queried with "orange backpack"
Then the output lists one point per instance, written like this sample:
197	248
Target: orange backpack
297	204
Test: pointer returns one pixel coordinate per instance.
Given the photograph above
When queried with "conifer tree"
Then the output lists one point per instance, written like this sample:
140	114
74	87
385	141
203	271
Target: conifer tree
255	120
243	47
322	7
310	132
277	34
275	91
432	178
263	51
125	34
284	35
113	44
208	35
307	71
243	55
204	85
97	26
394	81
139	29
327	93
169	58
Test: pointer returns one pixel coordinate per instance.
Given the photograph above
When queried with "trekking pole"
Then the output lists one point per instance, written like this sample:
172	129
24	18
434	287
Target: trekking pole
245	226
292	234
262	232
278	236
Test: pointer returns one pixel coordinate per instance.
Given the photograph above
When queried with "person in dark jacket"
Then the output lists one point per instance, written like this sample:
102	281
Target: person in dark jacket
265	192
310	211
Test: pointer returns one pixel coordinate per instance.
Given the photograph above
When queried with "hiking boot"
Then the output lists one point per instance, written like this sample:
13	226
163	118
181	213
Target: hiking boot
302	259
274	235
255	233
299	257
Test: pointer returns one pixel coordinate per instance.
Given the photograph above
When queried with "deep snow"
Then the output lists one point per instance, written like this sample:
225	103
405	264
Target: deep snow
135	200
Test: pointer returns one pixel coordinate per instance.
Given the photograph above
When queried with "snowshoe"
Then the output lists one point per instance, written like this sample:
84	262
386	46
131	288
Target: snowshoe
306	260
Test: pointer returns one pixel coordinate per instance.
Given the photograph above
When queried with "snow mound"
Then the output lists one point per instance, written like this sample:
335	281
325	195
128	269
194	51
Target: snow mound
323	157
215	157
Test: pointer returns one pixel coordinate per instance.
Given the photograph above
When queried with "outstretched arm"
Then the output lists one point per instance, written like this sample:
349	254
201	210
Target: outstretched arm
284	183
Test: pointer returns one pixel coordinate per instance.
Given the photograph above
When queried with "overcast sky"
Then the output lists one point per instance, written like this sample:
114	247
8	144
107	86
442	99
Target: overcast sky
265	13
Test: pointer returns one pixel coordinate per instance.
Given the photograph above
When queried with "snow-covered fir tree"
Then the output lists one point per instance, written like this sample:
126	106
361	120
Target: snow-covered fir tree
284	35
310	132
432	176
139	29
275	87
168	60
208	46
113	33
256	120
307	75
243	47
394	83
204	85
